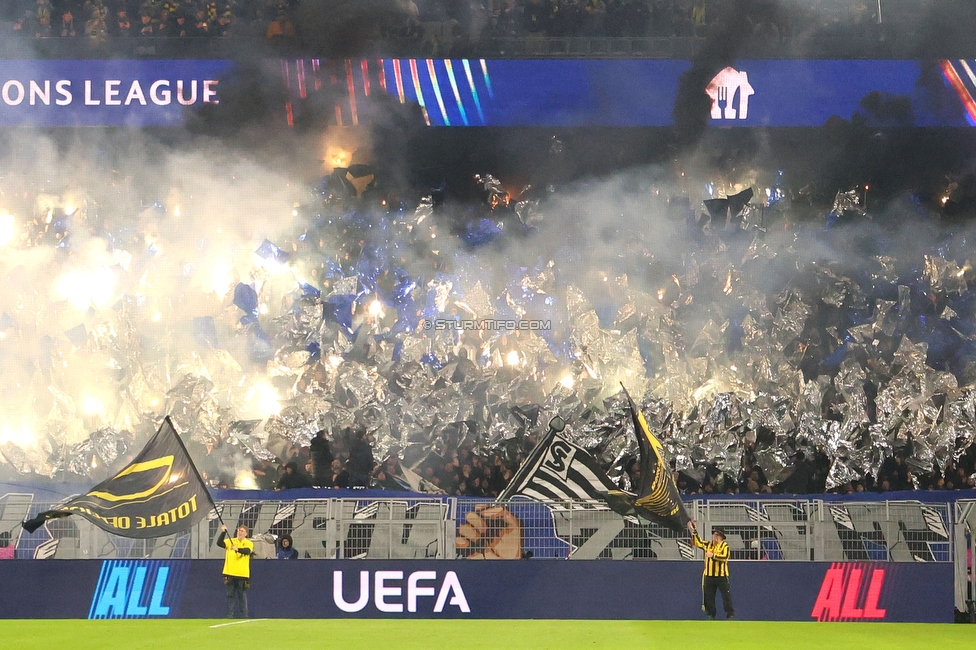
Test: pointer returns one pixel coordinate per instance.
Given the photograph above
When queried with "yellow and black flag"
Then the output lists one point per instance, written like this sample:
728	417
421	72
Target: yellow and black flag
159	493
657	497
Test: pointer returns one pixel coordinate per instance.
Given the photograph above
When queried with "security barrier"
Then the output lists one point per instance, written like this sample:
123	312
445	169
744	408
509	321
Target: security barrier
858	539
965	531
418	528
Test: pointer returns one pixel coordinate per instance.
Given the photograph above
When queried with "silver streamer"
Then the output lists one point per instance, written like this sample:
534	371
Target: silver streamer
334	329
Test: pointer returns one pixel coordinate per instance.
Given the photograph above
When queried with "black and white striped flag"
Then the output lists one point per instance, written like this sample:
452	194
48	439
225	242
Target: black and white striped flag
558	470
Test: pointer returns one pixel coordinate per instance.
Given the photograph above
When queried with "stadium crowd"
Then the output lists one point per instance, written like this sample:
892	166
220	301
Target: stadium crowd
439	26
99	20
465	472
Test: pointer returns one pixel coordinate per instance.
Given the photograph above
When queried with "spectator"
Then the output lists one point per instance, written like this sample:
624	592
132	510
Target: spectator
146	27
281	30
448	478
360	454
224	22
182	26
385	474
498	477
121	26
340	477
798	482
322	459
67	25
464	366
285	549
293	478
201	26
162	25
95	27
265	474
44	12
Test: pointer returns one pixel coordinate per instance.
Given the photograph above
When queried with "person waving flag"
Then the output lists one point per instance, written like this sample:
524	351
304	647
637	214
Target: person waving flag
716	573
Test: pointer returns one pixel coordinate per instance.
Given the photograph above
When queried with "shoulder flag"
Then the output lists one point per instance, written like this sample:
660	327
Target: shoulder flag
558	470
159	493
657	494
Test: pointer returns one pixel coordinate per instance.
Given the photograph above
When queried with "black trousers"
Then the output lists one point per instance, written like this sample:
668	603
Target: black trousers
236	596
709	586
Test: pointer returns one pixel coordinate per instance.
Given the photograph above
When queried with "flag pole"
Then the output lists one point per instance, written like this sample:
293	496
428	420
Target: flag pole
556	425
193	466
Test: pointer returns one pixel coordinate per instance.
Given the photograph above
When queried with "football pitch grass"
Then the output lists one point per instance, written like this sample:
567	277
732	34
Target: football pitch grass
351	634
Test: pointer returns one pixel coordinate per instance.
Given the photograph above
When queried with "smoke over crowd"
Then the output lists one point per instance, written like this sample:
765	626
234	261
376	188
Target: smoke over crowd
259	284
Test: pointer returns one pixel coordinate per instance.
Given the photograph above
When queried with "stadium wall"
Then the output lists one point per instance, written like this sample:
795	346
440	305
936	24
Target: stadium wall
782	591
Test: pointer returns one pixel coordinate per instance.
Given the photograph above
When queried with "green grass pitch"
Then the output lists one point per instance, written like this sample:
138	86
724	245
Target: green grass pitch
351	634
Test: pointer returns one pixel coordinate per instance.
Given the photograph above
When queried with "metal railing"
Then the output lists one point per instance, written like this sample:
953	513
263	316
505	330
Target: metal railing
965	540
762	530
447	528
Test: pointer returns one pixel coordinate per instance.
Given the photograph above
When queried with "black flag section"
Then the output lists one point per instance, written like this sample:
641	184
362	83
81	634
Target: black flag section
558	470
657	497
159	493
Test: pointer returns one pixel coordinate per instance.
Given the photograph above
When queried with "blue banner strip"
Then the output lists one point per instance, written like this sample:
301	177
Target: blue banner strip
476	92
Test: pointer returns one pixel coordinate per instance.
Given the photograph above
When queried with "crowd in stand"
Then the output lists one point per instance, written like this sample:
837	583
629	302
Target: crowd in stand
99	20
348	462
433	24
809	476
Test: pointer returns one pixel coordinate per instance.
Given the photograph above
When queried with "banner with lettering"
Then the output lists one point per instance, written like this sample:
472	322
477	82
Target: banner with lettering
106	93
159	493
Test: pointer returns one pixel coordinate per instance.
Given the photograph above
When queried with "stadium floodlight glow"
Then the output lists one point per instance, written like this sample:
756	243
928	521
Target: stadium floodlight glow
264	398
91	405
8	228
21	435
220	279
84	288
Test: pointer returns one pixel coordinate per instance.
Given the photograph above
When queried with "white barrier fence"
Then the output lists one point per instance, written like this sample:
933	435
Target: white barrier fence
417	527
